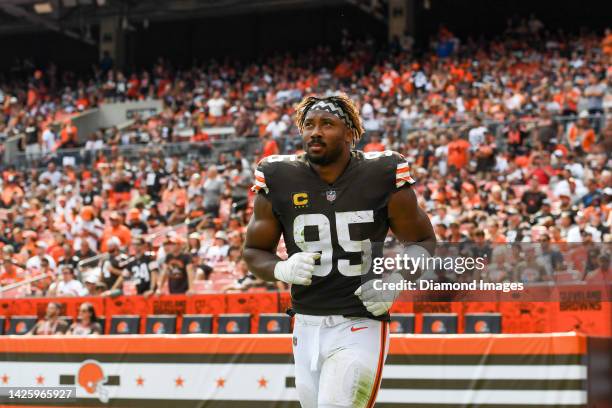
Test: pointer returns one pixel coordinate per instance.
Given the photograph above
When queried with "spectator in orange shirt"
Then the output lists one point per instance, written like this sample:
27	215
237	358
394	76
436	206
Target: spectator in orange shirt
116	229
606	43
68	135
580	134
458	152
9	271
375	145
270	147
11	191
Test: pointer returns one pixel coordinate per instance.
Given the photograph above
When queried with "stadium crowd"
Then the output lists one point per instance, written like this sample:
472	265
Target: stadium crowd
508	141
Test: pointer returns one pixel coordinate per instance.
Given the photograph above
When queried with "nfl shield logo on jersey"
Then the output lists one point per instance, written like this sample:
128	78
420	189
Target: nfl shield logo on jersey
330	195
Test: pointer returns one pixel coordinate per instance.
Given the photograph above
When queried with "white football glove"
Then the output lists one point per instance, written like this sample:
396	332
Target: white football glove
379	301
297	269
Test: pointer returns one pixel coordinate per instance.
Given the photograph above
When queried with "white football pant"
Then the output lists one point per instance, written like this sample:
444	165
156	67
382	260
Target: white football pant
338	360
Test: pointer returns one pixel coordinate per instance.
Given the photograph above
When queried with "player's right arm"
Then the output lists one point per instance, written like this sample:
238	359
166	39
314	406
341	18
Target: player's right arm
262	236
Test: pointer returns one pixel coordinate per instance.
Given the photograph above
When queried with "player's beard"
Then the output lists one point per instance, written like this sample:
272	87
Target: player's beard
329	155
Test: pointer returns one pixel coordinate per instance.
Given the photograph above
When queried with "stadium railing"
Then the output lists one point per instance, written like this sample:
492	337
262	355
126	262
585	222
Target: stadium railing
210	151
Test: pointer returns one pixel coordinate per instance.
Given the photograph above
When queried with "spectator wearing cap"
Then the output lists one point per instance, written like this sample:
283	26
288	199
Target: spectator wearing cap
178	269
218	250
115	229
87	228
113	267
41	252
135	224
194	188
66	284
94	286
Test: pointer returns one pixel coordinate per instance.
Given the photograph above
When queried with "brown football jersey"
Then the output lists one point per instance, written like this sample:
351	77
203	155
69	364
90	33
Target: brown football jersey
346	222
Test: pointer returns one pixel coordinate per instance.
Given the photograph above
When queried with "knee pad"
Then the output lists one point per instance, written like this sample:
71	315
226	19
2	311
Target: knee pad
346	382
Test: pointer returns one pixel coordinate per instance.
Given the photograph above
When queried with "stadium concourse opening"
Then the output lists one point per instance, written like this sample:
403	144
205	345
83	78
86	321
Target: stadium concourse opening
141	140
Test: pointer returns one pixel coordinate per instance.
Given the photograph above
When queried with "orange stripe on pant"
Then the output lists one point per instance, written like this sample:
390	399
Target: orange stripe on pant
381	363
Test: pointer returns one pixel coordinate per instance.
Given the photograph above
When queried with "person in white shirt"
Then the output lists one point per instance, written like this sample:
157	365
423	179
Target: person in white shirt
34	262
442	216
51	174
219	250
276	128
66	284
216	105
87	227
48	139
441	154
577	232
477	134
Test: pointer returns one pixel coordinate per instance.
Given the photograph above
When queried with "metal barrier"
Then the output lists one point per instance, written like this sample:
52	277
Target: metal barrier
206	151
210	151
21	283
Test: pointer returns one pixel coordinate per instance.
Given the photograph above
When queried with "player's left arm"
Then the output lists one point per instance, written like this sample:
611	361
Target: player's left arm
412	227
409	222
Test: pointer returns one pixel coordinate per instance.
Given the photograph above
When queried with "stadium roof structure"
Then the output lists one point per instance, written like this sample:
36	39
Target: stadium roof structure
75	18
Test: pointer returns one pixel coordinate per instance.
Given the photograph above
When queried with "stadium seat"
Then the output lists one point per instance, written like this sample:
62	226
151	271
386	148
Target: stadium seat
402	323
439	323
125	324
234	323
274	323
21	324
483	323
161	324
2	323
102	322
197	324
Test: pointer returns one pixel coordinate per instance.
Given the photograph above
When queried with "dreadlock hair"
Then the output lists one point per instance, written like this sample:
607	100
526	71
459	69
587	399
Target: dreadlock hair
344	102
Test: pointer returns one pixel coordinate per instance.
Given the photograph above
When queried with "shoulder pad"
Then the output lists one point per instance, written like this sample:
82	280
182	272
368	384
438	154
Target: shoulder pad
268	166
392	162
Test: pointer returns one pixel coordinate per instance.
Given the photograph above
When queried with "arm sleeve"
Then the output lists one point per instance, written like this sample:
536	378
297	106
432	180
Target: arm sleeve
402	172
260	185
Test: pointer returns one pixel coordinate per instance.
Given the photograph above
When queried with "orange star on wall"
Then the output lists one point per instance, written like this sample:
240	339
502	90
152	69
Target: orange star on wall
40	379
140	381
179	381
263	383
220	382
5	379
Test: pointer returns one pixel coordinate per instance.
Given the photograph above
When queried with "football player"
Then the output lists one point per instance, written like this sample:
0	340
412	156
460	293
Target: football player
334	207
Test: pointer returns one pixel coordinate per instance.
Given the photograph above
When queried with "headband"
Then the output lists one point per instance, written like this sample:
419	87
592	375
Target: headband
333	108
